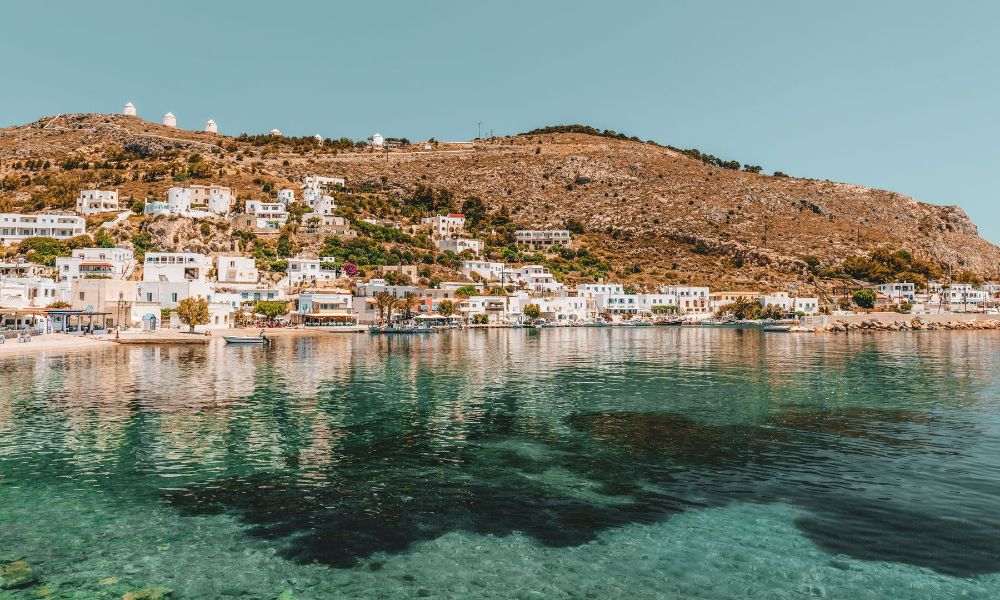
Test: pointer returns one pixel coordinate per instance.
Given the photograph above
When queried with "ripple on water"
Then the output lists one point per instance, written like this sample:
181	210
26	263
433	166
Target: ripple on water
680	463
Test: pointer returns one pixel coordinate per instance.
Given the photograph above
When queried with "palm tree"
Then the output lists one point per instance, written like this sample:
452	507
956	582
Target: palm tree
406	304
384	302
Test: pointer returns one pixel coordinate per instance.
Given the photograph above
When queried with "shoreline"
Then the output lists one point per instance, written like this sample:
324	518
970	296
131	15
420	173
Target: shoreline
60	342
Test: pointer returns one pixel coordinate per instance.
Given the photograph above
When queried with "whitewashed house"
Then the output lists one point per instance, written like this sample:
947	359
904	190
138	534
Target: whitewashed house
540	239
777	299
15	227
93	202
489	271
325	309
534	278
459	245
28	292
211	126
129	109
898	291
632	304
445	226
286	196
268	215
157	208
691	299
364	298
594	289
176	266
303	270
237	269
93	263
963	296
808	306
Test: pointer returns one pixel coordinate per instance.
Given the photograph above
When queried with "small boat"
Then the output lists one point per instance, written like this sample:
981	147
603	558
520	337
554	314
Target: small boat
236	339
379	329
777	328
635	323
669	322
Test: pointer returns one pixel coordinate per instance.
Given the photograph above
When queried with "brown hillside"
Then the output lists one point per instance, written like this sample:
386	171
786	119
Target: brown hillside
655	214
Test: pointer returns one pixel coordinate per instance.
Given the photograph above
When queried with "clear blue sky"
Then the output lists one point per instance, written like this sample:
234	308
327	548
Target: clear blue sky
902	95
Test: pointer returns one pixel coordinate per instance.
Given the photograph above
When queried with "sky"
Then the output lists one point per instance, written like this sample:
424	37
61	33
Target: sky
899	95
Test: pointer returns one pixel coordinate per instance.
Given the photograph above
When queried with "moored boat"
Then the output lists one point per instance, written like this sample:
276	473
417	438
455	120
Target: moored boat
238	339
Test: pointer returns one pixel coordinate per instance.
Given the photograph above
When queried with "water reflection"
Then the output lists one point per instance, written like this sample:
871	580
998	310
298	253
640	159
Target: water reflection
339	446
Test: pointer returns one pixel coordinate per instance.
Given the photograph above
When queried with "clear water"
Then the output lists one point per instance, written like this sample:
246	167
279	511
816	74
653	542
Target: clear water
646	463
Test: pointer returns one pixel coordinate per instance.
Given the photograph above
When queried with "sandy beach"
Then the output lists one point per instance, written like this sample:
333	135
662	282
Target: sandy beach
59	342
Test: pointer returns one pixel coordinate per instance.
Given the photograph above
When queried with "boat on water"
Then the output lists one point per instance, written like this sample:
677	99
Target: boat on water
394	328
635	323
238	339
595	324
669	322
779	328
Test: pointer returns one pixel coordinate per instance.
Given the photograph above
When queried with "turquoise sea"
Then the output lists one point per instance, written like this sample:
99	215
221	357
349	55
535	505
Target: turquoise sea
555	463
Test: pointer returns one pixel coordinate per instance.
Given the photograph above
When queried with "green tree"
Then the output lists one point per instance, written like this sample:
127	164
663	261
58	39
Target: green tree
193	311
270	309
446	308
466	291
103	239
864	298
532	311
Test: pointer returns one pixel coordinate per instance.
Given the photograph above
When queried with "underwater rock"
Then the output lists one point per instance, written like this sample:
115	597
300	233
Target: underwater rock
286	595
16	574
154	593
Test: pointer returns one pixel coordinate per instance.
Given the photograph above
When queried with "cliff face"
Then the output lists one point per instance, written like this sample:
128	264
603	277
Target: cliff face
653	213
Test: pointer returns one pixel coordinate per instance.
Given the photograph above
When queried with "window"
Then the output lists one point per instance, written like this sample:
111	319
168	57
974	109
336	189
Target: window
149	296
82	295
173	297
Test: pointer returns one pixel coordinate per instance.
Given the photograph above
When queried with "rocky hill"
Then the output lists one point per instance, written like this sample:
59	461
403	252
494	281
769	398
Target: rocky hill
654	214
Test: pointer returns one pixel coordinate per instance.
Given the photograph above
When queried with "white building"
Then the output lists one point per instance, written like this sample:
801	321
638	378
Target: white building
592	290
318	309
691	299
534	278
275	132
211	126
445	226
270	215
302	270
378	141
561	308
176	267
170	120
490	271
129	109
237	269
808	306
156	208
286	196
778	299
632	304
92	202
15	227
91	263
459	245
364	298
898	291
29	292
540	239
179	200
963	296
321	184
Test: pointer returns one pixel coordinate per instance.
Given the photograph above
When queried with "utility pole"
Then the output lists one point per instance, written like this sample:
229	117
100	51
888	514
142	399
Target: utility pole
480	136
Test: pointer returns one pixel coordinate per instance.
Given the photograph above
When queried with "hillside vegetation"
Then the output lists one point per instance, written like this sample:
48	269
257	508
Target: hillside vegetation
641	212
